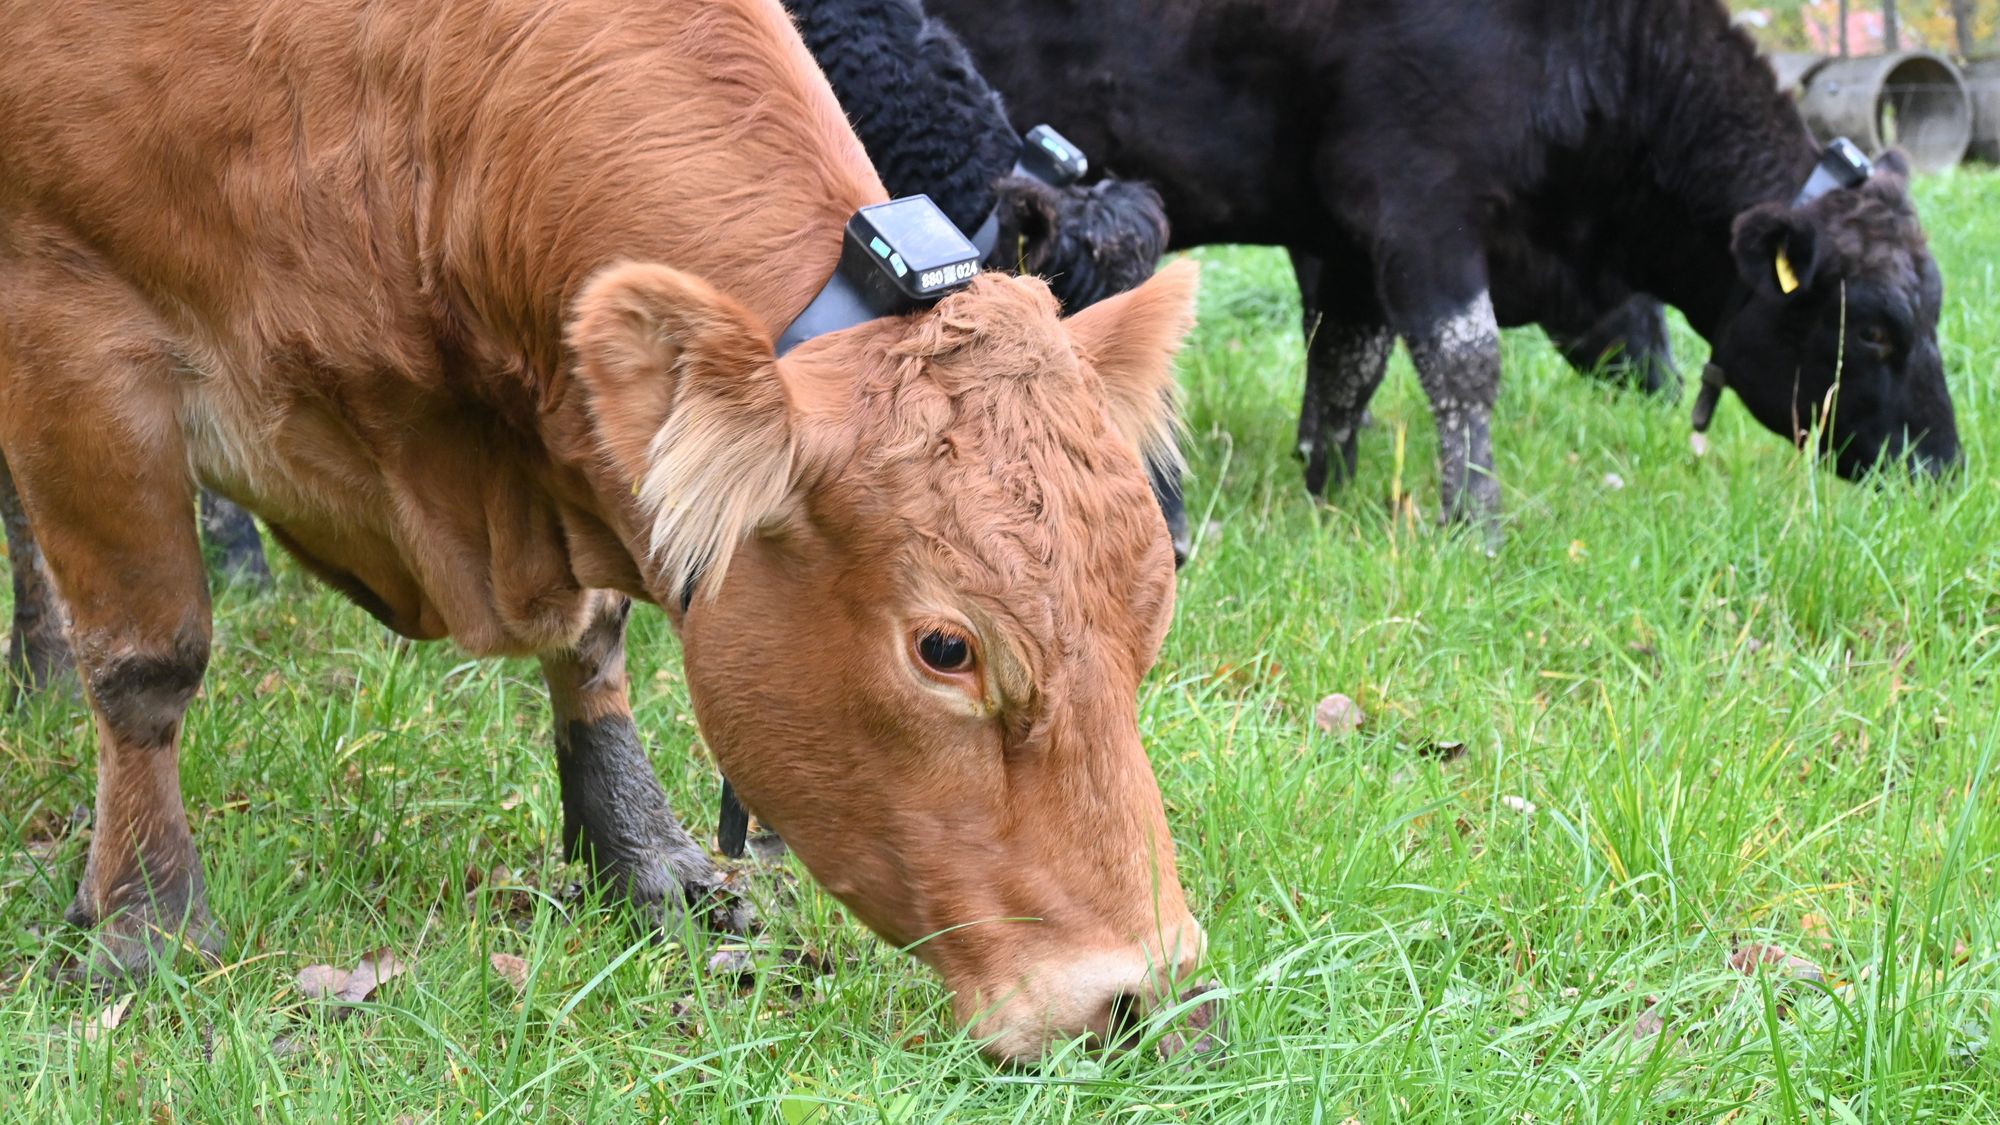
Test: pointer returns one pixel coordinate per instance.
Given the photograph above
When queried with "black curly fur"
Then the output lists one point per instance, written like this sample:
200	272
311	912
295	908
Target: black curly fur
932	125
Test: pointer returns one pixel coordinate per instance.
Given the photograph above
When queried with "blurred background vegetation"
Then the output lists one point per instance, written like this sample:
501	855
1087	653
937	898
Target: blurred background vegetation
1956	27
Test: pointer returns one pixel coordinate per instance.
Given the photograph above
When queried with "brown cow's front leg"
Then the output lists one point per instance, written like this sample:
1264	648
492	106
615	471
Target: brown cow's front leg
120	541
90	413
615	815
38	648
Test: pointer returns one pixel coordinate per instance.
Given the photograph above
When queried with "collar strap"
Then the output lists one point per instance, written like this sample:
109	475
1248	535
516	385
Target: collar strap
1841	165
1045	155
895	257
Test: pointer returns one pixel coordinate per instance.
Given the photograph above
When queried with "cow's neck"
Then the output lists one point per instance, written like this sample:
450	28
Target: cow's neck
1711	135
718	150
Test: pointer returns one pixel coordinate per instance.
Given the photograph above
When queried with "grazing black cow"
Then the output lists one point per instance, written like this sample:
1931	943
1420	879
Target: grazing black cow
933	126
1404	140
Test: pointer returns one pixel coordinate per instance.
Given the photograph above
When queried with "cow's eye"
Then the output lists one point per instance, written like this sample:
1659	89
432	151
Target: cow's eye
1876	336
944	650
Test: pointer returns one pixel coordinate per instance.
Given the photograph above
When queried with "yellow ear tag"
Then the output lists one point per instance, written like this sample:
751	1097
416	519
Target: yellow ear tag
1788	280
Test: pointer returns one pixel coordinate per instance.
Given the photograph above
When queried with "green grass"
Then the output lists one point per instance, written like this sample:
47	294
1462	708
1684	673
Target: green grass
1750	703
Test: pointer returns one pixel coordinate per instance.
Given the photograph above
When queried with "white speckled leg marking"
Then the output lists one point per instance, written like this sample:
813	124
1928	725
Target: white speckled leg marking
1344	365
1458	362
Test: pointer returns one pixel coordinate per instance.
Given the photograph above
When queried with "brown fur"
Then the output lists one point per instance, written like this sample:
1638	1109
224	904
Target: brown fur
357	265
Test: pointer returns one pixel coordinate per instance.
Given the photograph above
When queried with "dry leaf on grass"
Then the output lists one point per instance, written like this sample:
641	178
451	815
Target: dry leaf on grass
1747	957
1338	714
1441	751
108	1019
512	969
1649	1021
1201	1035
352	986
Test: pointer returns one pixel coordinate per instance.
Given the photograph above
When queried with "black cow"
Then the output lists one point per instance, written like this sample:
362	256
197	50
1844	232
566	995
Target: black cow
1414	143
933	126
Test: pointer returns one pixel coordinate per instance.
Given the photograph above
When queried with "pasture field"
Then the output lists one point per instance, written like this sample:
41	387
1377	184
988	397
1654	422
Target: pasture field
1697	717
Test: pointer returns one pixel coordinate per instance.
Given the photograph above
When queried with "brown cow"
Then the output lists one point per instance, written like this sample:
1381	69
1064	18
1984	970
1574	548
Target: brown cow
473	302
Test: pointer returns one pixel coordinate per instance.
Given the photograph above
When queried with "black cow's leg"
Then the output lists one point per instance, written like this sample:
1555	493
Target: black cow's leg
233	540
38	648
615	815
1457	357
1347	352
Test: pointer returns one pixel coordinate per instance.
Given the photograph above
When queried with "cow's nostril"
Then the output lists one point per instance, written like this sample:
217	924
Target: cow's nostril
1121	1027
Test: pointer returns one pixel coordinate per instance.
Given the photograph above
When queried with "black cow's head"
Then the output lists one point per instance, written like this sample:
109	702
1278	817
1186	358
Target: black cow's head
1842	314
1088	242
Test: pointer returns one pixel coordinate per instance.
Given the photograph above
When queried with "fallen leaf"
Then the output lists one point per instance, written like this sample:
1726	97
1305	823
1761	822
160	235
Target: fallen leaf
1200	1036
272	681
324	982
1519	804
1649	1021
321	981
1441	751
374	971
1747	957
510	801
108	1019
1521	1000
1814	926
1338	714
514	970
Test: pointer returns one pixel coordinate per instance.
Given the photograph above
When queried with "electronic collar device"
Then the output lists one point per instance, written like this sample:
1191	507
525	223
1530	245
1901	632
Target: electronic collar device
1841	164
897	257
1045	155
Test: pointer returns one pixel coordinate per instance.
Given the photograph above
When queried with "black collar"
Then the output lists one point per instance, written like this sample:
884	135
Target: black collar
895	258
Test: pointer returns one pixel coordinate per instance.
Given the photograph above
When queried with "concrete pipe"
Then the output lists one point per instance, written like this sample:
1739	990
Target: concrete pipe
1914	100
1795	69
1982	77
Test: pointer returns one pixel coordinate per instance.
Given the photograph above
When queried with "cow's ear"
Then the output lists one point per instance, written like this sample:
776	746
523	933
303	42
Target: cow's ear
688	407
1130	341
1776	248
1028	213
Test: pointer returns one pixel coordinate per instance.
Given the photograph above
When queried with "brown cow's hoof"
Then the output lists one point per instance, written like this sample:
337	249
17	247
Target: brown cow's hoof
124	949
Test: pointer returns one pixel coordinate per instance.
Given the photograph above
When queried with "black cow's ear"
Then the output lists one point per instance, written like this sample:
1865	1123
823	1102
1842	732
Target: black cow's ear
1029	211
1777	249
1890	182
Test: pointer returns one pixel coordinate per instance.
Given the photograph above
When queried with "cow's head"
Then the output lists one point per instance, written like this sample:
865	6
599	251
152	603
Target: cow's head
1087	241
928	576
1842	313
